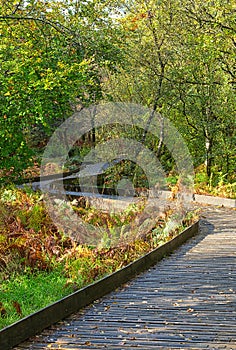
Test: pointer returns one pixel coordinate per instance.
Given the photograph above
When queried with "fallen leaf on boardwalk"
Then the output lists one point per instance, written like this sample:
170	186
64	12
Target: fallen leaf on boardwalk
190	310
175	304
124	331
123	342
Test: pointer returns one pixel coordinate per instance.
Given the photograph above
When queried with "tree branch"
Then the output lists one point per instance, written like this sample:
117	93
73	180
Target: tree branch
55	25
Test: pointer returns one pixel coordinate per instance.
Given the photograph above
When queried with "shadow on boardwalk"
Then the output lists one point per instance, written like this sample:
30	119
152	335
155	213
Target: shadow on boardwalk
187	300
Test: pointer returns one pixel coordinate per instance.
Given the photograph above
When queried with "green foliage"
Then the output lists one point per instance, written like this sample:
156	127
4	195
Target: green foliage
51	59
8	195
180	61
33	218
176	57
31	292
172	180
217	185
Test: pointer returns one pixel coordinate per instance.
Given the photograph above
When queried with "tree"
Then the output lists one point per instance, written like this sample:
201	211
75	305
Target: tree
180	59
52	54
207	87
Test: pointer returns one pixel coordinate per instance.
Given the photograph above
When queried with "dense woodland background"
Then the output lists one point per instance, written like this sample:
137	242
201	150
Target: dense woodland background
176	57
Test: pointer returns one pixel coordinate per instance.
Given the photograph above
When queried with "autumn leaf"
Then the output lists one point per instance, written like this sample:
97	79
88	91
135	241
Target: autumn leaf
17	307
3	311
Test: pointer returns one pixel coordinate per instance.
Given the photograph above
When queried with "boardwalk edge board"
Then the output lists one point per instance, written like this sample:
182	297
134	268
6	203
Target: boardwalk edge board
57	176
34	182
36	322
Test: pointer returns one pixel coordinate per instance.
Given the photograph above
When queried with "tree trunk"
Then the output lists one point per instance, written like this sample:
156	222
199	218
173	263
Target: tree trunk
208	161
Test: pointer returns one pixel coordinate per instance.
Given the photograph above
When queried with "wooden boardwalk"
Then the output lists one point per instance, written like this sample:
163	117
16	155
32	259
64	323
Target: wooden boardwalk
188	300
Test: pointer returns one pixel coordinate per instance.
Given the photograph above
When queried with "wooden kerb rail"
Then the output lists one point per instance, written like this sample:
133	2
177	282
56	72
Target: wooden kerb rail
36	322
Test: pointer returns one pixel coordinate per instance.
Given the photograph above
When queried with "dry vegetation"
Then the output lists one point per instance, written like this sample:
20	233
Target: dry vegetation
31	246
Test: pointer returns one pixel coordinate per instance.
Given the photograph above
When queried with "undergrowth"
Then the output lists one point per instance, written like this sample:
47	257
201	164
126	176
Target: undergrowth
217	185
39	264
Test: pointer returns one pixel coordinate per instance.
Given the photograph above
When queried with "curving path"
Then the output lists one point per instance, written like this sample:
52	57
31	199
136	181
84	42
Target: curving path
187	301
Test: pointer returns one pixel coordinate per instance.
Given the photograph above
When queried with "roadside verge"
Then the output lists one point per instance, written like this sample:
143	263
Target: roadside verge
36	322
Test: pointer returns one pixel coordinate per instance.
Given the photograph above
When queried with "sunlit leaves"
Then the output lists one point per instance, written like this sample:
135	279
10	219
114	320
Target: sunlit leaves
181	58
51	62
